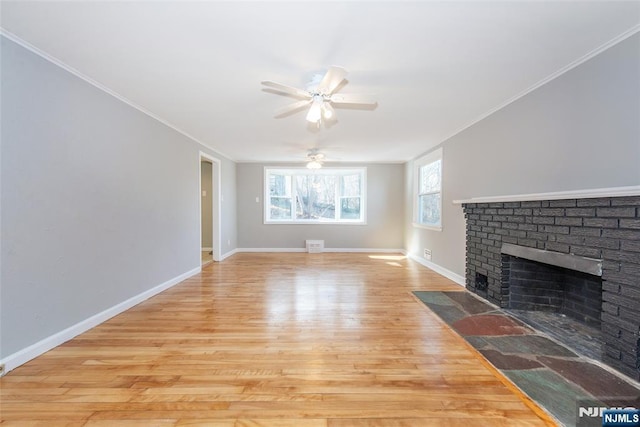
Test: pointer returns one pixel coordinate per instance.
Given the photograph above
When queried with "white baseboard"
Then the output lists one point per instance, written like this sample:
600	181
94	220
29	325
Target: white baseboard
271	250
460	280
284	250
362	250
228	254
26	354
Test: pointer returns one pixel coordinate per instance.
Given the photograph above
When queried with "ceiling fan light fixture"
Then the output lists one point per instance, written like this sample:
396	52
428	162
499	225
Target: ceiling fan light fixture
327	111
314	159
314	164
315	112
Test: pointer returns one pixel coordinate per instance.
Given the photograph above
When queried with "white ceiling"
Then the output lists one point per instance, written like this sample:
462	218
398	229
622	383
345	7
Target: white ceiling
434	67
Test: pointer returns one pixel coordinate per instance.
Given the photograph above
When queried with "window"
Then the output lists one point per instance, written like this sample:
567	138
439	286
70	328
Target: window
301	196
428	191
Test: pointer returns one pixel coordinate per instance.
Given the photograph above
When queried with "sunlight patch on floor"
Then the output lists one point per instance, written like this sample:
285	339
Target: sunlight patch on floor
388	257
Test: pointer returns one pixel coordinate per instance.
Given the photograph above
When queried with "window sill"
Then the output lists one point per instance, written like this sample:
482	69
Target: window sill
314	223
428	227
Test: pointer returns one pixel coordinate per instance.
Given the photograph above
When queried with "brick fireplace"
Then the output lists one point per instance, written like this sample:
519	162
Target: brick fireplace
579	257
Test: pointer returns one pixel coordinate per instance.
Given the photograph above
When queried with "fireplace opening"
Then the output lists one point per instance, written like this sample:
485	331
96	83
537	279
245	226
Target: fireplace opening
541	287
559	300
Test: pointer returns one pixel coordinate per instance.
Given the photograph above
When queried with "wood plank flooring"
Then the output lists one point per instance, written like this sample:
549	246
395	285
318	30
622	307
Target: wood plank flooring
275	340
206	257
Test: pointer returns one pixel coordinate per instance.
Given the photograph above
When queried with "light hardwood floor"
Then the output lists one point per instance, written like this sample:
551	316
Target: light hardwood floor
275	340
206	257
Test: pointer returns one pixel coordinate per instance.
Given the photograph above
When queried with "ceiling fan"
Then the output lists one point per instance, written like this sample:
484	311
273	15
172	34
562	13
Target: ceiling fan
315	159
320	95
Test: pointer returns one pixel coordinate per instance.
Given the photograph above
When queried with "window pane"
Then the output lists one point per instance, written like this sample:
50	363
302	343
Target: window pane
280	185
429	209
280	208
430	177
350	208
322	195
351	185
302	197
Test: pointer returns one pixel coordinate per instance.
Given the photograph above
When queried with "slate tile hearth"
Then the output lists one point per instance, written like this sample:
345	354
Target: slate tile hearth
529	344
489	324
554	376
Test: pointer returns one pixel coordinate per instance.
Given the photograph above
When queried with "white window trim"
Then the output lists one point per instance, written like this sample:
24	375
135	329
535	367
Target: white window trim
325	171
418	163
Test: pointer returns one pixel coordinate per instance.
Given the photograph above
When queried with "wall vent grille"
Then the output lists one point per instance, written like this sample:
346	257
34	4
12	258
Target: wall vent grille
315	246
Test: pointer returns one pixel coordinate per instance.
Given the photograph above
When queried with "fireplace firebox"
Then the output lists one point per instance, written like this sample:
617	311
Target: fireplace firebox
565	284
540	287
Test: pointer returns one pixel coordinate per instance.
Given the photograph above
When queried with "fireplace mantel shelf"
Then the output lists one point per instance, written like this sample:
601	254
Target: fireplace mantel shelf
633	190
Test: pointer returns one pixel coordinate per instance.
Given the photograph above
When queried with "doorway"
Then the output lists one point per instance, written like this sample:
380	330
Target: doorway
210	237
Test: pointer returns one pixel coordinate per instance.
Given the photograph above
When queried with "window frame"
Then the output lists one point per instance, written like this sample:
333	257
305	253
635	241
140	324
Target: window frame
338	197
419	163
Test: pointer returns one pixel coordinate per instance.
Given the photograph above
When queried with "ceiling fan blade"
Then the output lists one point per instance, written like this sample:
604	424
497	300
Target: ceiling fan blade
332	80
292	107
352	98
287	89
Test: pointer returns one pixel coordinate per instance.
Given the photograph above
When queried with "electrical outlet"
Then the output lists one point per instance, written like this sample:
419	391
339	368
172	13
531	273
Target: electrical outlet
427	254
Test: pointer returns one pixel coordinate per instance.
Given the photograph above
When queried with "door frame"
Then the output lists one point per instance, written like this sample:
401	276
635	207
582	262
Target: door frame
216	200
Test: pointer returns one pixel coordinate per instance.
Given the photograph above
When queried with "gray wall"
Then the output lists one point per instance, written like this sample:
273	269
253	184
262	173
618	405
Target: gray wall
385	214
579	131
206	204
99	201
229	220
